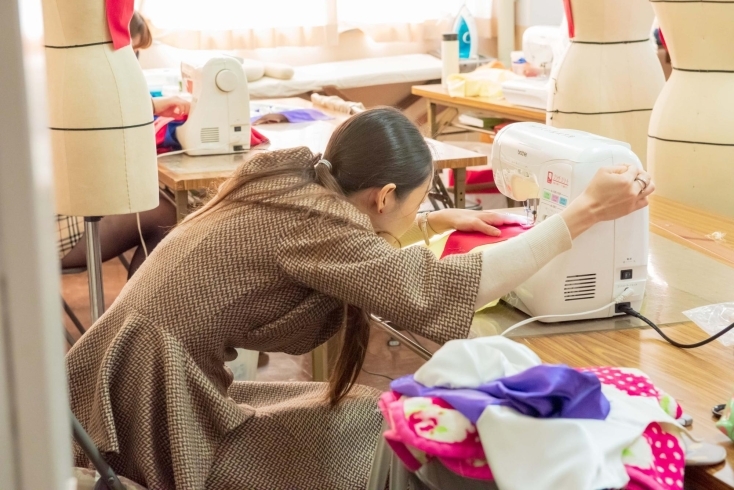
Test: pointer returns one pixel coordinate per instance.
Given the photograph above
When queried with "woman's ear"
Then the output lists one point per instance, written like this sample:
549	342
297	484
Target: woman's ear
385	197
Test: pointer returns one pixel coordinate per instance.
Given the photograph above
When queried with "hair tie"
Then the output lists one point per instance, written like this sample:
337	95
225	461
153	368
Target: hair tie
327	163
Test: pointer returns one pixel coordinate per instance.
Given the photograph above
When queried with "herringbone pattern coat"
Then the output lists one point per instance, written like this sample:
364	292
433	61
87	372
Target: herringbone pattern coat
148	380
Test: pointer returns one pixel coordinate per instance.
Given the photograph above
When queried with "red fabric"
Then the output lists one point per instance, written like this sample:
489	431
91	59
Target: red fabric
461	242
569	18
119	13
475	176
257	138
160	126
662	38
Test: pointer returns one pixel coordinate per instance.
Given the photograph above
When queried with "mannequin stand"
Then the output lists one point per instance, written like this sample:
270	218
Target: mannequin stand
94	266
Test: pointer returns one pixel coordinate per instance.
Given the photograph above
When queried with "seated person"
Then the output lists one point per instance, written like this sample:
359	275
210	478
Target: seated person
294	249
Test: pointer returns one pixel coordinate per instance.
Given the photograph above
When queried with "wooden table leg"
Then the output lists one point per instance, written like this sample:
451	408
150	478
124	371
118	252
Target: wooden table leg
182	205
460	188
318	363
432	126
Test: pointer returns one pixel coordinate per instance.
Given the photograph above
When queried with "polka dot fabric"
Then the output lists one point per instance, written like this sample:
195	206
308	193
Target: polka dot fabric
656	461
635	383
667	466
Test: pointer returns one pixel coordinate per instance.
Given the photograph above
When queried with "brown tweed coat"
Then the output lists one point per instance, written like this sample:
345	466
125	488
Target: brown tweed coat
148	380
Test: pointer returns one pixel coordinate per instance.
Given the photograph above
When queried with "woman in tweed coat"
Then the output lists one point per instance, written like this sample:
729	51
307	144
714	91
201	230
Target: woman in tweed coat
292	250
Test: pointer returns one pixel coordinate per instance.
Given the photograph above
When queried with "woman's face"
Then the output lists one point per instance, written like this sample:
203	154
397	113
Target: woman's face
388	214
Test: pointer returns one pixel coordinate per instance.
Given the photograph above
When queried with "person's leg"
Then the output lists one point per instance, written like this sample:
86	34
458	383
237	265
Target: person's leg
119	233
155	225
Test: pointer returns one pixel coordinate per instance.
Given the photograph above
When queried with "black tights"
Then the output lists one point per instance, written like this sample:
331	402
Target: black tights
119	233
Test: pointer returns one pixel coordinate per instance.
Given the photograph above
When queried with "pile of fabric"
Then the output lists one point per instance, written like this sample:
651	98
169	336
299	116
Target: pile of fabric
488	409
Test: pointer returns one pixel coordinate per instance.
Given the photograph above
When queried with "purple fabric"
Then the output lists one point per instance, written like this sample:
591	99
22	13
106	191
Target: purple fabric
544	391
300	115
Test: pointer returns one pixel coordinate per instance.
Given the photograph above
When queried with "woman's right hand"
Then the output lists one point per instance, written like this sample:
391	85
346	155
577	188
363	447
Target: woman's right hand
612	193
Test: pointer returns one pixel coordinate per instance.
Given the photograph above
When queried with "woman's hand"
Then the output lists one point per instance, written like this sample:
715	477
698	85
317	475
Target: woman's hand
170	106
614	192
467	220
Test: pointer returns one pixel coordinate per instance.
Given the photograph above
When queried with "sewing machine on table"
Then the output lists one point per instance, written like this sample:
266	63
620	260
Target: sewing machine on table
219	119
547	168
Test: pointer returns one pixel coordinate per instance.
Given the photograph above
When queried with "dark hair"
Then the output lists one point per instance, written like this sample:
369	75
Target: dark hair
139	27
370	150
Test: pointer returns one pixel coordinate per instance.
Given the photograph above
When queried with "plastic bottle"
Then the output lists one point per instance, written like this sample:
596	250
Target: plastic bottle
449	56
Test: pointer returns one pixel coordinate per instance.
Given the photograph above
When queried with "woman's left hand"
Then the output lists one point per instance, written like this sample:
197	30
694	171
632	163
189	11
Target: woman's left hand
467	220
170	106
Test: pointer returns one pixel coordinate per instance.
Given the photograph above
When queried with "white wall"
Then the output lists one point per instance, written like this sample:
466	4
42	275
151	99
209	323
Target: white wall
539	12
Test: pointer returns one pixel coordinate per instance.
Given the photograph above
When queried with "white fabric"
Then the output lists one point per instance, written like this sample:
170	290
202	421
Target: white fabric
254	69
278	70
542	454
465	363
366	72
575	454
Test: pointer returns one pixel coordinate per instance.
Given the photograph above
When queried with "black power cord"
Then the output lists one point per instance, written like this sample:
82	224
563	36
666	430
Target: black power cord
377	374
630	311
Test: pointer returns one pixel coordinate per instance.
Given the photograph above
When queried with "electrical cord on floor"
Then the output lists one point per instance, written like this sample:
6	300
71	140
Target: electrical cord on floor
636	314
377	374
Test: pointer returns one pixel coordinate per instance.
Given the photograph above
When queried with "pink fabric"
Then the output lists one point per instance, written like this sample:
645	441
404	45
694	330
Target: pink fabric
656	462
668	465
119	13
461	242
465	458
635	383
569	18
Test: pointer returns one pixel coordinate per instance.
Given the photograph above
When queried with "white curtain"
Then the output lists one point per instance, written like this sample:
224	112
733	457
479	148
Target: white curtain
250	24
241	24
409	20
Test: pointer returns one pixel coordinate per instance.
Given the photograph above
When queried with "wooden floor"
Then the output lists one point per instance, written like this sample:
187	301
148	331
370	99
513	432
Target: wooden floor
384	362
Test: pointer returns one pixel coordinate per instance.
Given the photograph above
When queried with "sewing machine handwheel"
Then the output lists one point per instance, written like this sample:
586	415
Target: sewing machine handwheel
226	80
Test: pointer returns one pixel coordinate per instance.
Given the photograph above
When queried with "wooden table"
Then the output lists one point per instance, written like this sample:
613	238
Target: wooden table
436	95
698	378
181	173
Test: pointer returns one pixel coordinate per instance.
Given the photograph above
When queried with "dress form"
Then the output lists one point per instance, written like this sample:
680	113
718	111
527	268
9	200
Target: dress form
691	135
100	115
609	77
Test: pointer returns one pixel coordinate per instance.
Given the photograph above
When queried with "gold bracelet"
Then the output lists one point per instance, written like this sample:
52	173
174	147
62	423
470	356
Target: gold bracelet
423	225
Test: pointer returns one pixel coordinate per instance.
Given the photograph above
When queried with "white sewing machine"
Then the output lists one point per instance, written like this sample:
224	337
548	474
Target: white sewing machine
540	46
547	168
219	119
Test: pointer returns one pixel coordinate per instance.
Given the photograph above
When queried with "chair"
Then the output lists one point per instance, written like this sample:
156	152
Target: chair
67	309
